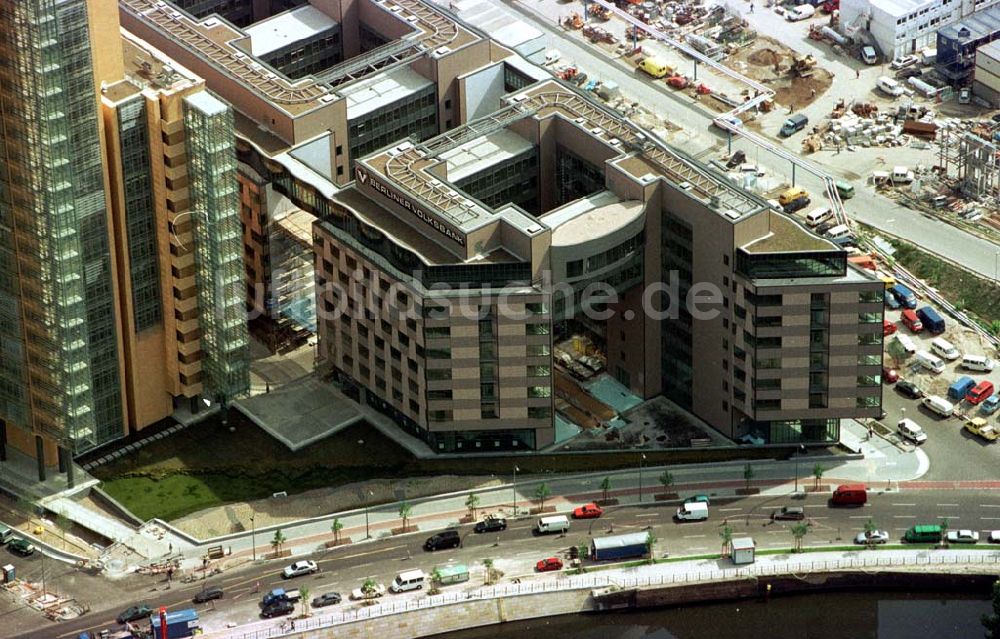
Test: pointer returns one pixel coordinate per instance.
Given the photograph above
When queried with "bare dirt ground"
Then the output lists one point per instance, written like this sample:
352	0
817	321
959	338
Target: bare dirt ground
222	520
769	62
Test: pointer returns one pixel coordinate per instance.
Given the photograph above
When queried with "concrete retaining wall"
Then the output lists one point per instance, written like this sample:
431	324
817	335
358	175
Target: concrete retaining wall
471	614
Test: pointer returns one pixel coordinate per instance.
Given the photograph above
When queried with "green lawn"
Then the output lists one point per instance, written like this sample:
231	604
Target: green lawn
206	465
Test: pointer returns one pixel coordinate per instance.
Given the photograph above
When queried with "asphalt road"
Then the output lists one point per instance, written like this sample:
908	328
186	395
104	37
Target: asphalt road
516	550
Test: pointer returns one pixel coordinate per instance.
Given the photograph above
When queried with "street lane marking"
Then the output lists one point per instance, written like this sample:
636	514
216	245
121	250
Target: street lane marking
903	516
989	505
361	554
904	504
648	515
989	517
948	505
818	518
858	517
694	536
948	517
726	510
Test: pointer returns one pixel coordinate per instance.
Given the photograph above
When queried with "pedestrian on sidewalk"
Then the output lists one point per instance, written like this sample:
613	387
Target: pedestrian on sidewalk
813	93
857	73
751	7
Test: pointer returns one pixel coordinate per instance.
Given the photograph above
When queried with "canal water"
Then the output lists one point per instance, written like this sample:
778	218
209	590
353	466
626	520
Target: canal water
874	614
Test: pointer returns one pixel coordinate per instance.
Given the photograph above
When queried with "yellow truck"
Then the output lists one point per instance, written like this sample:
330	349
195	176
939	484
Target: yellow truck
655	67
978	426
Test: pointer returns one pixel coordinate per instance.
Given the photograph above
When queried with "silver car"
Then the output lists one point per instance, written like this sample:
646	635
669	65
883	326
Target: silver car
876	537
963	537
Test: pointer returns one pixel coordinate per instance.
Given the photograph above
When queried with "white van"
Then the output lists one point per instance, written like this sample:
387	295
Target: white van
801	12
889	86
930	362
557	523
694	511
6	534
409	580
906	342
937	405
909	429
944	348
901	175
978	363
839	231
818	215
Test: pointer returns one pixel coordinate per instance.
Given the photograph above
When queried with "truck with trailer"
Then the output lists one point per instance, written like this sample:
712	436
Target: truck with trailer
181	624
617	547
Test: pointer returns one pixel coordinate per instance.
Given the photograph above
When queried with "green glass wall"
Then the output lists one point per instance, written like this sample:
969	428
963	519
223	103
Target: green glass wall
218	246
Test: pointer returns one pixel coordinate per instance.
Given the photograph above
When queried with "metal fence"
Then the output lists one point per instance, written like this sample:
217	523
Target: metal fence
870	561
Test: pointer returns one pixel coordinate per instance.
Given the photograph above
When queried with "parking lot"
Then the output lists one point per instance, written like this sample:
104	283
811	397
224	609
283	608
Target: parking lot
954	452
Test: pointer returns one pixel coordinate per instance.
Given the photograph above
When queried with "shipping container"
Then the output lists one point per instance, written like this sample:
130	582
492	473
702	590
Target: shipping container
619	546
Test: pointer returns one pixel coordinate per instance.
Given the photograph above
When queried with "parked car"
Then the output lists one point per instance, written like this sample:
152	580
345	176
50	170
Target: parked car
277	608
444	539
358	594
698	499
208	594
299	568
792	513
824	227
905	74
549	564
588	511
962	537
905	61
889	375
21	547
876	537
990	405
994	537
909	389
493	523
326	599
134	613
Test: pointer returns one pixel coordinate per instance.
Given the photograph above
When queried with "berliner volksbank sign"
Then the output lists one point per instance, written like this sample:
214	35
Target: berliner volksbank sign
368	180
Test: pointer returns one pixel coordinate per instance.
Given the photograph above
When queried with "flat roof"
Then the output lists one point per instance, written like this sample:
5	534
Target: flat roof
591	218
206	103
787	236
287	28
899	8
980	24
483	152
378	91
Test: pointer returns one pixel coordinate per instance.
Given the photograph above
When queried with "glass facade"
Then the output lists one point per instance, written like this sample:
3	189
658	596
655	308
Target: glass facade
575	177
218	246
413	116
312	55
677	337
58	335
239	12
513	181
785	265
140	214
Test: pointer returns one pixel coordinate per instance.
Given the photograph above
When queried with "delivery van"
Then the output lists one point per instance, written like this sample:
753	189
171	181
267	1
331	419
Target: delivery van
694	511
911	430
850	495
978	363
931	320
889	86
937	405
978	393
868	55
656	67
904	295
793	124
911	321
409	580
814	217
960	387
801	12
931	362
926	533
944	348
844	189
790	195
838	232
554	524
6	534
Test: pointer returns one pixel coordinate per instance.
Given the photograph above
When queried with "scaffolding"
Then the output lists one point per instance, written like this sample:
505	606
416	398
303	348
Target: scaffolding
972	162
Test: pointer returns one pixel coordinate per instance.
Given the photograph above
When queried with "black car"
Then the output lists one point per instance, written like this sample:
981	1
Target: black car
490	524
909	389
277	608
824	227
134	613
910	72
796	205
446	539
326	599
208	594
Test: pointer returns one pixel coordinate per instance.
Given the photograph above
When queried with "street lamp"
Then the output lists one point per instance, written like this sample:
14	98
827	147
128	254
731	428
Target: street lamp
366	495
801	449
642	456
253	538
515	489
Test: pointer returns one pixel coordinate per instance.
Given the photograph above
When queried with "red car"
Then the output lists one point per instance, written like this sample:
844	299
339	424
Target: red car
889	375
888	328
550	564
588	511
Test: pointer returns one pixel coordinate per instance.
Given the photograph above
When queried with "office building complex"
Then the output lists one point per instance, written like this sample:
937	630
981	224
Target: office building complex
469	214
118	186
